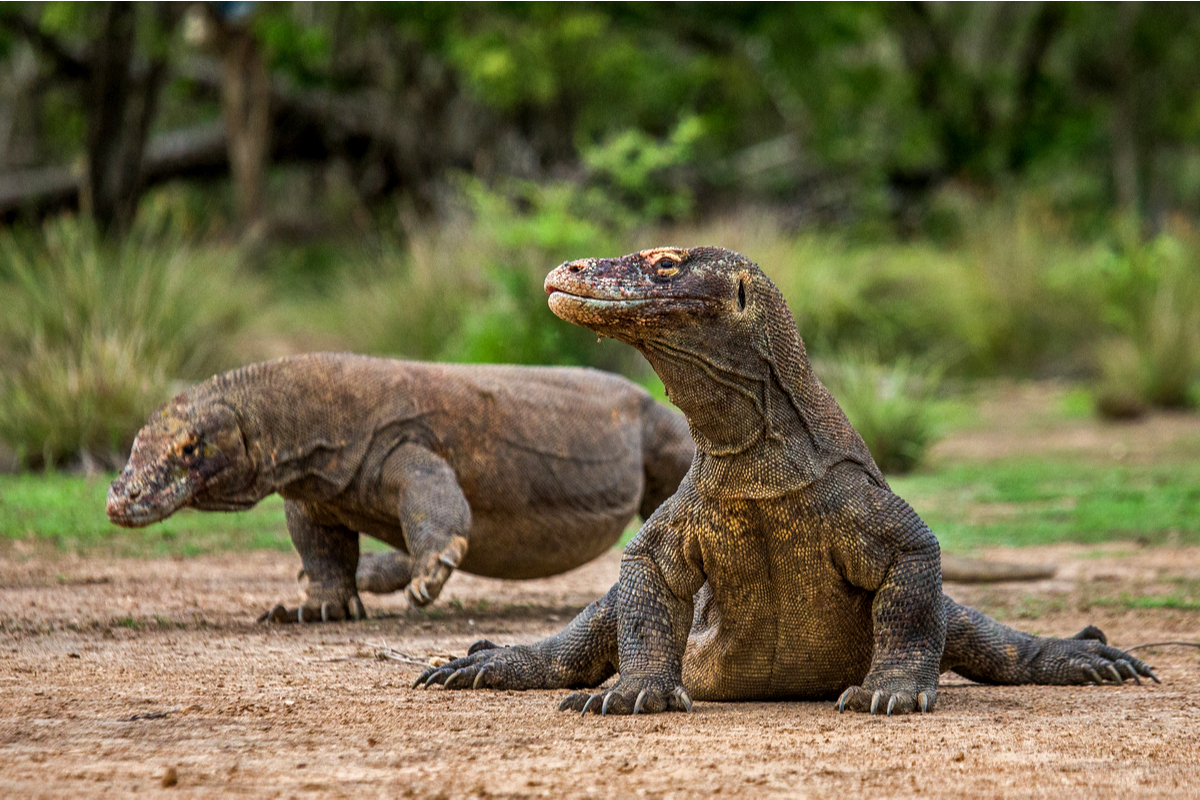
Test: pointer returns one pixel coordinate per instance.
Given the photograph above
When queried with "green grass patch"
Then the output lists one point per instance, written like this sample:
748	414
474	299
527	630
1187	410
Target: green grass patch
1016	502
68	511
1023	502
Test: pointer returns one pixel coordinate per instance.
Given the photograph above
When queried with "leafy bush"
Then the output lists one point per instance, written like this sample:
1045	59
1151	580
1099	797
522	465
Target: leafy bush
889	405
1154	308
93	338
645	174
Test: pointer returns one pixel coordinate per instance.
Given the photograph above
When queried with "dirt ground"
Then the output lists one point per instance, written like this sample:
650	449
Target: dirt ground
113	671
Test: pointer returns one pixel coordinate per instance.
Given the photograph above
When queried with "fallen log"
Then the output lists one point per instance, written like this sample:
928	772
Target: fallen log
957	569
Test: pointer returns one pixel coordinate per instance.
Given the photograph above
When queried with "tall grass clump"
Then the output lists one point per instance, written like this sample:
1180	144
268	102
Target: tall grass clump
469	289
891	405
1152	355
94	336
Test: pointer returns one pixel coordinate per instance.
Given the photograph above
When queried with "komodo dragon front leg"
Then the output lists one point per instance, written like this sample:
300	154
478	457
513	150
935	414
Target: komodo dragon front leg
655	604
329	552
434	518
886	548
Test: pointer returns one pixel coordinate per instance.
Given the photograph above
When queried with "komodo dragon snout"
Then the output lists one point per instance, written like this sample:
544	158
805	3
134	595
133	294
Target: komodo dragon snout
186	455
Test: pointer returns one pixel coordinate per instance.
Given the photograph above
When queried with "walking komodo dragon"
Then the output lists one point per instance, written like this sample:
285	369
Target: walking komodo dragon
784	567
503	471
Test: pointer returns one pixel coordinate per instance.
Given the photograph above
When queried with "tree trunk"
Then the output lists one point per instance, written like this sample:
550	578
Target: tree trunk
119	110
245	106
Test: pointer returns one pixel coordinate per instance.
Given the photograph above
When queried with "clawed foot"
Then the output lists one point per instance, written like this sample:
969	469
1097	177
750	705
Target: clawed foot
1087	658
432	572
488	666
352	609
630	697
881	701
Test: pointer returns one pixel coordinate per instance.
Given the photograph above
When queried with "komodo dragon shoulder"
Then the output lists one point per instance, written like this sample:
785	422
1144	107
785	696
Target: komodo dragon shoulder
784	567
503	471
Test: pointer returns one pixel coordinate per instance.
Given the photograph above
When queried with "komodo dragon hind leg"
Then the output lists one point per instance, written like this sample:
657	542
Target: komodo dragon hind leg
582	656
384	573
330	556
434	515
981	649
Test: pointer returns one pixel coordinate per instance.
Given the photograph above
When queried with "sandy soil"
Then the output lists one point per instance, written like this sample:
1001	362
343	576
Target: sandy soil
114	671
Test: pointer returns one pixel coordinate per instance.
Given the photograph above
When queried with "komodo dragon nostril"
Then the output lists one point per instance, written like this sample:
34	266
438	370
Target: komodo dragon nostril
134	491
576	267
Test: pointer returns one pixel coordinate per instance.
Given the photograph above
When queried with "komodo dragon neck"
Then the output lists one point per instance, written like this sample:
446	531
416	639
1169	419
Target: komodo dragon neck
764	425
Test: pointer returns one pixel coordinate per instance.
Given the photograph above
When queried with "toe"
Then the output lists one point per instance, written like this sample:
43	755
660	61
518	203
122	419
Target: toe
482	644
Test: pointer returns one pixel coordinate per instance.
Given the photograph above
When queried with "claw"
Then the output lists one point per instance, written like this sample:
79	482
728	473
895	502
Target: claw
876	699
1150	674
588	705
264	617
1112	672
300	615
637	704
684	698
482	644
445	559
1093	675
923	702
357	611
892	704
451	682
479	677
604	705
324	612
1093	633
420	679
842	700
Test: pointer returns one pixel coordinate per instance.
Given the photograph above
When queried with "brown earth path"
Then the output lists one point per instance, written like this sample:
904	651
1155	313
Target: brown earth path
111	671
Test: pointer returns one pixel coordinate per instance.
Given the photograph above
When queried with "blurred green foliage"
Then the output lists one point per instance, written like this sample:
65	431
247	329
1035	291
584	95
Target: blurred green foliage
1021	501
890	405
93	336
981	188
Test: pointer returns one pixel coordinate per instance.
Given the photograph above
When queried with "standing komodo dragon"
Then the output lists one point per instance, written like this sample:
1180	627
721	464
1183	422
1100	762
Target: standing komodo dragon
503	471
784	567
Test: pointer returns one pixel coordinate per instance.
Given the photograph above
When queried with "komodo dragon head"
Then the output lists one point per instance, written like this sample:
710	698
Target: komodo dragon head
719	334
638	297
189	454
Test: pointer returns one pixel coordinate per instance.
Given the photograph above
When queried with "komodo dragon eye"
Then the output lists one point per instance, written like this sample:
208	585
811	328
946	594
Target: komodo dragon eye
668	265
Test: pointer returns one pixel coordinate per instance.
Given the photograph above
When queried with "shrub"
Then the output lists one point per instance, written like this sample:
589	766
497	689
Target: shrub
889	405
93	337
1153	359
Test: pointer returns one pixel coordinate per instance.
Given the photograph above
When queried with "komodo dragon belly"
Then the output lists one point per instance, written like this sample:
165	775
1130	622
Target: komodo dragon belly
776	619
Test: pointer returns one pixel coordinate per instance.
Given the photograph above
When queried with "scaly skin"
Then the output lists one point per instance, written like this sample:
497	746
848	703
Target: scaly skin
784	567
508	472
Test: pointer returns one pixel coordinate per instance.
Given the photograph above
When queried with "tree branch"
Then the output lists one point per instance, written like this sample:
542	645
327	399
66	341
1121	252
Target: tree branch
66	64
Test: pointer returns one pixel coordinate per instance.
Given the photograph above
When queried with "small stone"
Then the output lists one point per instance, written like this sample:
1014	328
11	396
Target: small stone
170	778
959	756
438	661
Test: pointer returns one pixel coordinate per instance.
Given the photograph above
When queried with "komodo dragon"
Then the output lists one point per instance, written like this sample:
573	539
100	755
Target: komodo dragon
784	567
503	471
